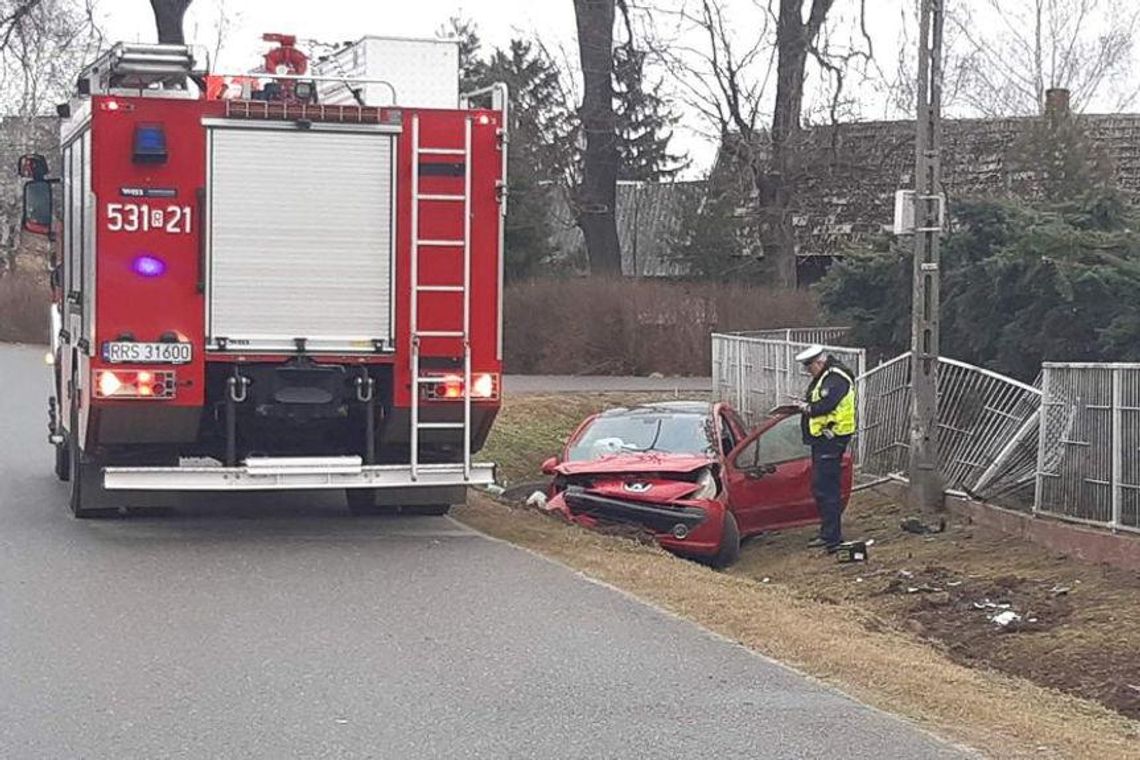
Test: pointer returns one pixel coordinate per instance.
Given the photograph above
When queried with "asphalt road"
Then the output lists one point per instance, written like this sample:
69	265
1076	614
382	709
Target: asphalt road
279	627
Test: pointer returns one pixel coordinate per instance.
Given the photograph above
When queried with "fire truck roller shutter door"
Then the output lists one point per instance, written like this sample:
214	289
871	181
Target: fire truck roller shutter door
301	238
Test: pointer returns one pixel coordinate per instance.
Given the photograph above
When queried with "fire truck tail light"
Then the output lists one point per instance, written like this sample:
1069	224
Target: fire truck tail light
450	387
484	386
128	384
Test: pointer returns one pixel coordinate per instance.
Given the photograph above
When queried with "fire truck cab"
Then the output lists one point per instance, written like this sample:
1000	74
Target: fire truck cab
266	281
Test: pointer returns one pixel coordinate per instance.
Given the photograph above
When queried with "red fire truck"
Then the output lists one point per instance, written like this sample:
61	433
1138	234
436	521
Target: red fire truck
265	282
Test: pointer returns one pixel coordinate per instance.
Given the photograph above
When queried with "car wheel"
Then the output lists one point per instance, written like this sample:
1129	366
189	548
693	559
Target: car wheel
729	550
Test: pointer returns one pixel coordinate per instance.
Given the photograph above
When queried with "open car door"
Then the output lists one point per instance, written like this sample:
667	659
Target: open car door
768	478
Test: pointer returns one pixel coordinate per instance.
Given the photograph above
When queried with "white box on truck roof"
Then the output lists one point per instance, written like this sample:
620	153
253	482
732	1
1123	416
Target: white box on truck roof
423	73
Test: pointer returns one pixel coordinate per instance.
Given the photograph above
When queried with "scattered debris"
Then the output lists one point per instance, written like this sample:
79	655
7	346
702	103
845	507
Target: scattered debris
494	489
1060	590
939	599
1005	618
918	527
852	551
536	499
765	580
906	573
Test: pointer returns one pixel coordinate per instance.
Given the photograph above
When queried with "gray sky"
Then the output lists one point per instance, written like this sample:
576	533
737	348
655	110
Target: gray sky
550	20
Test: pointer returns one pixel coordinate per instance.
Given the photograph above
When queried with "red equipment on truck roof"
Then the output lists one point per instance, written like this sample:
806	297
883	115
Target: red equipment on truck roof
270	276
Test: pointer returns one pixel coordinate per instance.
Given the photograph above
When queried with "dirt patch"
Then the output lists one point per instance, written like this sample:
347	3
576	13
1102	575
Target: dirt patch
984	599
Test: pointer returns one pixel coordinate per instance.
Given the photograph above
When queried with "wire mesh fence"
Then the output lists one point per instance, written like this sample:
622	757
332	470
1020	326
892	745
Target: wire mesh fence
1089	456
757	374
1067	445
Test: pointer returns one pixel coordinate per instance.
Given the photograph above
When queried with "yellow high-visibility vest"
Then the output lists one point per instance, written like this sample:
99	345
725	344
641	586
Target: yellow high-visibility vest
841	419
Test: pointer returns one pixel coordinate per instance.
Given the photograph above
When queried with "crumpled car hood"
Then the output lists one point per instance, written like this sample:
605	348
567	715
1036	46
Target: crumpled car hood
636	463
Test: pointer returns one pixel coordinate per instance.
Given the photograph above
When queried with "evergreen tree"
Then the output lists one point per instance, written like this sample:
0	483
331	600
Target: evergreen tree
644	121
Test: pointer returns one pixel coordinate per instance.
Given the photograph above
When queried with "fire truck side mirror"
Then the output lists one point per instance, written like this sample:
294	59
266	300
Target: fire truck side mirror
37	207
32	166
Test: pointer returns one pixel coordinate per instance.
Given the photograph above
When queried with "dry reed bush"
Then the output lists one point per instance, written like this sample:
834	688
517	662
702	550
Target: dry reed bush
618	326
24	299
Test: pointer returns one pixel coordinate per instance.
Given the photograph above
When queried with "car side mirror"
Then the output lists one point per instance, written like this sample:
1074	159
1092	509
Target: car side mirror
37	214
549	465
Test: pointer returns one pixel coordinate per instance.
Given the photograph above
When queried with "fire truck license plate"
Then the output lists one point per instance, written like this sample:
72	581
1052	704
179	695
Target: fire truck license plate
120	352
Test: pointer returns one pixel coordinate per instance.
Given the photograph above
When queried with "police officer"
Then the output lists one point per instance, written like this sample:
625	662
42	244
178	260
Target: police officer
828	422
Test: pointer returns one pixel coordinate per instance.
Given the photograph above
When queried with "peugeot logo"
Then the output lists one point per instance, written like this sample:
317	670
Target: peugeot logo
638	487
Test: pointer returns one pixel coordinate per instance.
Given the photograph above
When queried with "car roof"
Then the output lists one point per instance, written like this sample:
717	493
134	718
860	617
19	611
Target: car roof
672	407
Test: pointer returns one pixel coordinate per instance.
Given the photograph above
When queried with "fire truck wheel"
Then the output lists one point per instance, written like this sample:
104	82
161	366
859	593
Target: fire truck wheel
62	462
434	510
86	480
362	501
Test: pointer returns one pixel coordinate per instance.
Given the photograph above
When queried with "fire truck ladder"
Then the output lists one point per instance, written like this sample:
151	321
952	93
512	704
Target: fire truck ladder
430	247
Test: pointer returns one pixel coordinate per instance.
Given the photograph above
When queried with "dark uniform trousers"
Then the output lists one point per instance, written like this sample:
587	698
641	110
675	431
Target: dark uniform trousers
826	478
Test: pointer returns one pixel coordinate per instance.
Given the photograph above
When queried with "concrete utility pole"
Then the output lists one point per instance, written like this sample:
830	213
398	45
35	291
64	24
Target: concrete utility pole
926	488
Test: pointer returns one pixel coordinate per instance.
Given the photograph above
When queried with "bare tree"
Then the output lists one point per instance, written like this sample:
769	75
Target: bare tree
43	46
1005	55
168	15
597	195
727	76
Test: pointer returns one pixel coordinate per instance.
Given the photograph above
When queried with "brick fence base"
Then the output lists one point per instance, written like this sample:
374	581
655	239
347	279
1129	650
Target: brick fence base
1087	544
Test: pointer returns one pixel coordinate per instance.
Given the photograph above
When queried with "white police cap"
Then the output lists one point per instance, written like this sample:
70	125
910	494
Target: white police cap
809	354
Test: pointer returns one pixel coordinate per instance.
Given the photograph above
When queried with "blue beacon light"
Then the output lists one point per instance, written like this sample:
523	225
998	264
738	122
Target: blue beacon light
148	266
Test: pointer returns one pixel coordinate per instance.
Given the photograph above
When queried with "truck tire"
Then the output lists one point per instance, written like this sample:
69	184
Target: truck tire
87	499
63	461
729	550
362	501
432	510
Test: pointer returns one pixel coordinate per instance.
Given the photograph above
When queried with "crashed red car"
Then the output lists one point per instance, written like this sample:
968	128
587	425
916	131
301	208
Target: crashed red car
690	473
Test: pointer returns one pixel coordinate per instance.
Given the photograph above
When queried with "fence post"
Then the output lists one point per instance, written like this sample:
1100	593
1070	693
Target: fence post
1042	434
1117	444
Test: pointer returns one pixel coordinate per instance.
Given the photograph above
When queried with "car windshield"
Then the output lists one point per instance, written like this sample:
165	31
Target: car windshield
663	432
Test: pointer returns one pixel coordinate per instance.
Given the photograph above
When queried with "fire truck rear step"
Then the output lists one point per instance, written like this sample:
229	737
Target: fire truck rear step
295	473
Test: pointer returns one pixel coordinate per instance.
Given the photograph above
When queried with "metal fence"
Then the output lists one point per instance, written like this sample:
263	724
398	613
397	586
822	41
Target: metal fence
756	374
1066	446
1089	457
831	336
986	431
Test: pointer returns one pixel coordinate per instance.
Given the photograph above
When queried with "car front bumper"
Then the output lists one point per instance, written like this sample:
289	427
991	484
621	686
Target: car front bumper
692	527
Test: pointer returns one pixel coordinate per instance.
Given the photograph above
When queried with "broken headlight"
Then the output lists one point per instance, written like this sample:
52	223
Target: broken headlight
706	486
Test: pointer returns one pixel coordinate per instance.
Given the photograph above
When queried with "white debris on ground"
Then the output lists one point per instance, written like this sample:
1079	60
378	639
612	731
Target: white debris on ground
536	499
